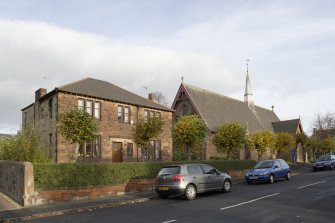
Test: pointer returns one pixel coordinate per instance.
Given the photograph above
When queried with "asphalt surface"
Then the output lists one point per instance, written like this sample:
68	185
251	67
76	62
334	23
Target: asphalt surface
308	197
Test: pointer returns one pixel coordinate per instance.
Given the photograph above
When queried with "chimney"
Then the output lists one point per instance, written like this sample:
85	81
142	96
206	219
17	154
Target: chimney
151	96
40	93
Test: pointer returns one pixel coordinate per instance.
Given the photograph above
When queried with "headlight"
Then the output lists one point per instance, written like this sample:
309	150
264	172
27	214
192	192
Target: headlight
264	173
246	174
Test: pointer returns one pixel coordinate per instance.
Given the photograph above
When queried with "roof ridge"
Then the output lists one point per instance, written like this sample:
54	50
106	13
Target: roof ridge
289	120
221	95
74	82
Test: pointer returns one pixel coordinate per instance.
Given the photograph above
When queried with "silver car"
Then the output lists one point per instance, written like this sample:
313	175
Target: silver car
190	180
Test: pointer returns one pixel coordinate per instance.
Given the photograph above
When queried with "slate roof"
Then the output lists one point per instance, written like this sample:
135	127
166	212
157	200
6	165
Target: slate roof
216	109
289	126
105	90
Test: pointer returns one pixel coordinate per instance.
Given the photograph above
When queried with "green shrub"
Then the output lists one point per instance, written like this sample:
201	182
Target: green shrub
24	146
51	176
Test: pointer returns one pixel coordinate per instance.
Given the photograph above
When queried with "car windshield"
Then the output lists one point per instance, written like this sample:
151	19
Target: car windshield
170	170
324	158
264	164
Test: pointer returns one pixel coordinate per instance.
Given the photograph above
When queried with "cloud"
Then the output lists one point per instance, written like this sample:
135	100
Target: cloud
37	54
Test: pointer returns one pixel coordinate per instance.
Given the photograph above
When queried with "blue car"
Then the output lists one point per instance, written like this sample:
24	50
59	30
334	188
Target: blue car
268	171
324	163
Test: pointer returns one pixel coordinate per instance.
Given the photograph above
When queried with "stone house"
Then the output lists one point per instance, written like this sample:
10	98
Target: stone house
115	111
215	110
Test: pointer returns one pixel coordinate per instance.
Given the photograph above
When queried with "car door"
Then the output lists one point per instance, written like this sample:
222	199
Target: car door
197	176
277	170
213	180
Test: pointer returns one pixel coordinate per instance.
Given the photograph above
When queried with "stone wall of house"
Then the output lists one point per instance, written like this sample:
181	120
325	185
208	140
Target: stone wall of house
17	181
42	118
111	130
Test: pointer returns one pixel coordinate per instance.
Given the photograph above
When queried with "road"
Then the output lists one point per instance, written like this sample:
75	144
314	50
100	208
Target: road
305	198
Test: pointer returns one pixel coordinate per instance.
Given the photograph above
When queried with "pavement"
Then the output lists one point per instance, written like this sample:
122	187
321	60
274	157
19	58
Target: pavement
12	212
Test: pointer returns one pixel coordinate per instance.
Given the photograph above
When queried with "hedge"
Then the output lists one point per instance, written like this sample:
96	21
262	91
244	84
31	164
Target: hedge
52	176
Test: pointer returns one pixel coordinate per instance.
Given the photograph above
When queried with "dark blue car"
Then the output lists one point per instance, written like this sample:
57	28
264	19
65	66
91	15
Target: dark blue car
324	163
268	171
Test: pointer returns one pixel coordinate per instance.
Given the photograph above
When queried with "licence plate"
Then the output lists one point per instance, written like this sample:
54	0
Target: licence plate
163	188
253	178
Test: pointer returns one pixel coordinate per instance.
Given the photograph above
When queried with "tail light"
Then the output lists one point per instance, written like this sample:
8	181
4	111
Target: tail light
177	178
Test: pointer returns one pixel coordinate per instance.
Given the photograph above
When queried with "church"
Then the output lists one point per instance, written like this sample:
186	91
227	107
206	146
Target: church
216	109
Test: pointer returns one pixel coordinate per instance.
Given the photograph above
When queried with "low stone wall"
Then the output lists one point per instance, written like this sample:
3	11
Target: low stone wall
17	181
133	185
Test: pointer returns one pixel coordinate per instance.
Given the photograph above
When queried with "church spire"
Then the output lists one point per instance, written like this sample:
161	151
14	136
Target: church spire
248	96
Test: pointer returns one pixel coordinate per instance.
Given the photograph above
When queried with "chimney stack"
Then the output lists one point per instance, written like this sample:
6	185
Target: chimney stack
40	93
151	96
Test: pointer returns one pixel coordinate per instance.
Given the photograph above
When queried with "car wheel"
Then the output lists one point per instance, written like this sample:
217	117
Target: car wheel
288	176
271	179
332	166
248	182
226	186
190	192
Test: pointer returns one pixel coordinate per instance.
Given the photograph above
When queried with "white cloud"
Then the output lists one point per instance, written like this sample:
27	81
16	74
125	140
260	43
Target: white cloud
36	54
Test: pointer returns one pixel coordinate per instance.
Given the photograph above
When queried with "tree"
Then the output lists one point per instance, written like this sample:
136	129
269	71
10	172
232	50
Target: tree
323	122
189	131
313	144
324	125
77	126
229	137
160	98
327	144
284	143
144	130
25	146
263	140
301	138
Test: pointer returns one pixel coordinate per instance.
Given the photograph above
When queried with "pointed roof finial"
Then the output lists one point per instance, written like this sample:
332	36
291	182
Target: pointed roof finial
182	79
247	65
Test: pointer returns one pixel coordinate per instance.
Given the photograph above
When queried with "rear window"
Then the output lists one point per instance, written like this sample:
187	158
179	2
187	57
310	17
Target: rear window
170	170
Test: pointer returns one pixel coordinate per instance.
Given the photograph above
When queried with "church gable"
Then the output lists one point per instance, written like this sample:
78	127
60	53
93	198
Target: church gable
216	109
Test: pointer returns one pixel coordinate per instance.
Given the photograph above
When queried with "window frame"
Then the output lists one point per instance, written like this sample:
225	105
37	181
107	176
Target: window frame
90	146
130	150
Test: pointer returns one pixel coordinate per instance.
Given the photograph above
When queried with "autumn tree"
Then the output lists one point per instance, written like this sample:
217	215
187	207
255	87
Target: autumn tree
284	143
189	132
313	144
77	126
229	138
144	130
261	141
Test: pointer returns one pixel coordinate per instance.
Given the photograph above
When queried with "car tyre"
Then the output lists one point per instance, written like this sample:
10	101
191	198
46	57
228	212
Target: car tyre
271	179
249	183
288	176
332	166
226	186
190	192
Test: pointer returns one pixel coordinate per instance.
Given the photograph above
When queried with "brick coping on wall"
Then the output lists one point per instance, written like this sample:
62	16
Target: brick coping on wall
133	185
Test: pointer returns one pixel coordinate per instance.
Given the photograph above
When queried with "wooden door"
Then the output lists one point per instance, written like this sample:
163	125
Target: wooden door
117	152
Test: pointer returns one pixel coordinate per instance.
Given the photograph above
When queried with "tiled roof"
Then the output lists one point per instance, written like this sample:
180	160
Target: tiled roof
216	109
105	90
289	126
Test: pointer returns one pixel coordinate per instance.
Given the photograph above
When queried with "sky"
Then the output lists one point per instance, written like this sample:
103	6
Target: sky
148	45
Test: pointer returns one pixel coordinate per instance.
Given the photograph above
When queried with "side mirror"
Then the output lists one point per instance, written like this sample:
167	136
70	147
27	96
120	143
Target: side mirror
276	167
